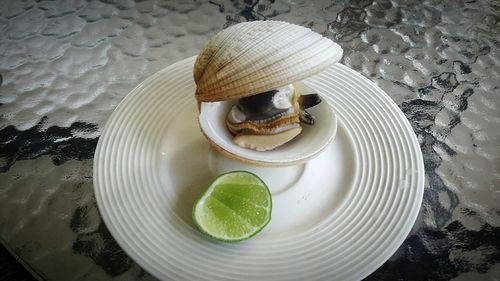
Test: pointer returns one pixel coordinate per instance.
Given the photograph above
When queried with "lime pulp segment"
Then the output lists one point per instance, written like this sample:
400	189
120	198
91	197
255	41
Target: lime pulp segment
236	206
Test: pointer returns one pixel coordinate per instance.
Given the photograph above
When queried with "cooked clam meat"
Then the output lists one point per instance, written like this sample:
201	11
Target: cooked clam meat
270	119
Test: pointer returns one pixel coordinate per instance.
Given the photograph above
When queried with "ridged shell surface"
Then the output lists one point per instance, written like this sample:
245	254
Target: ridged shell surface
254	57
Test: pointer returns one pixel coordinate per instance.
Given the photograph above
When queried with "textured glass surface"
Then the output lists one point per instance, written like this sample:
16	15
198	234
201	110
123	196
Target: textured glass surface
65	65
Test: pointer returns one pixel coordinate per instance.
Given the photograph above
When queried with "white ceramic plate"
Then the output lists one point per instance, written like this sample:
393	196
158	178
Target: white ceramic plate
337	217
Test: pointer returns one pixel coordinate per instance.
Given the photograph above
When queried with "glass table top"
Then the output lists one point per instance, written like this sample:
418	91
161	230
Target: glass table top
65	65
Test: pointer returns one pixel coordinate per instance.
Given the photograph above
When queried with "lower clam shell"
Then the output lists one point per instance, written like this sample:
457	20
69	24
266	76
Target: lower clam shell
306	145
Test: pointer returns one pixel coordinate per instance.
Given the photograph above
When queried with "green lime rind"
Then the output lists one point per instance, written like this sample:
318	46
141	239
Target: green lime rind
241	203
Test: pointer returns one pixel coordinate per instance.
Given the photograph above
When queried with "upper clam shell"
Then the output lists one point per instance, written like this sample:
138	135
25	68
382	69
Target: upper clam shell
255	57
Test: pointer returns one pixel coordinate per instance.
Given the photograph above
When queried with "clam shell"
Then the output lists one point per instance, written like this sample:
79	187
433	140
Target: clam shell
255	57
303	147
264	143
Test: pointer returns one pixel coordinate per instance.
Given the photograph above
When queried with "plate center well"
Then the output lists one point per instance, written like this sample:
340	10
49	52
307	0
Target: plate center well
303	195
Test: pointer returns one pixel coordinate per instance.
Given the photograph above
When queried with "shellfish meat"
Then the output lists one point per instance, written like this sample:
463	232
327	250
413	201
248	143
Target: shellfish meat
268	120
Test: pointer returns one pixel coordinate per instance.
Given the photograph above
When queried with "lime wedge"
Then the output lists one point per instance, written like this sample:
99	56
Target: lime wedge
235	207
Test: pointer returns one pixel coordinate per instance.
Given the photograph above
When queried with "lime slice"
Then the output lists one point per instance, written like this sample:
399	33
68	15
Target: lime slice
235	207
